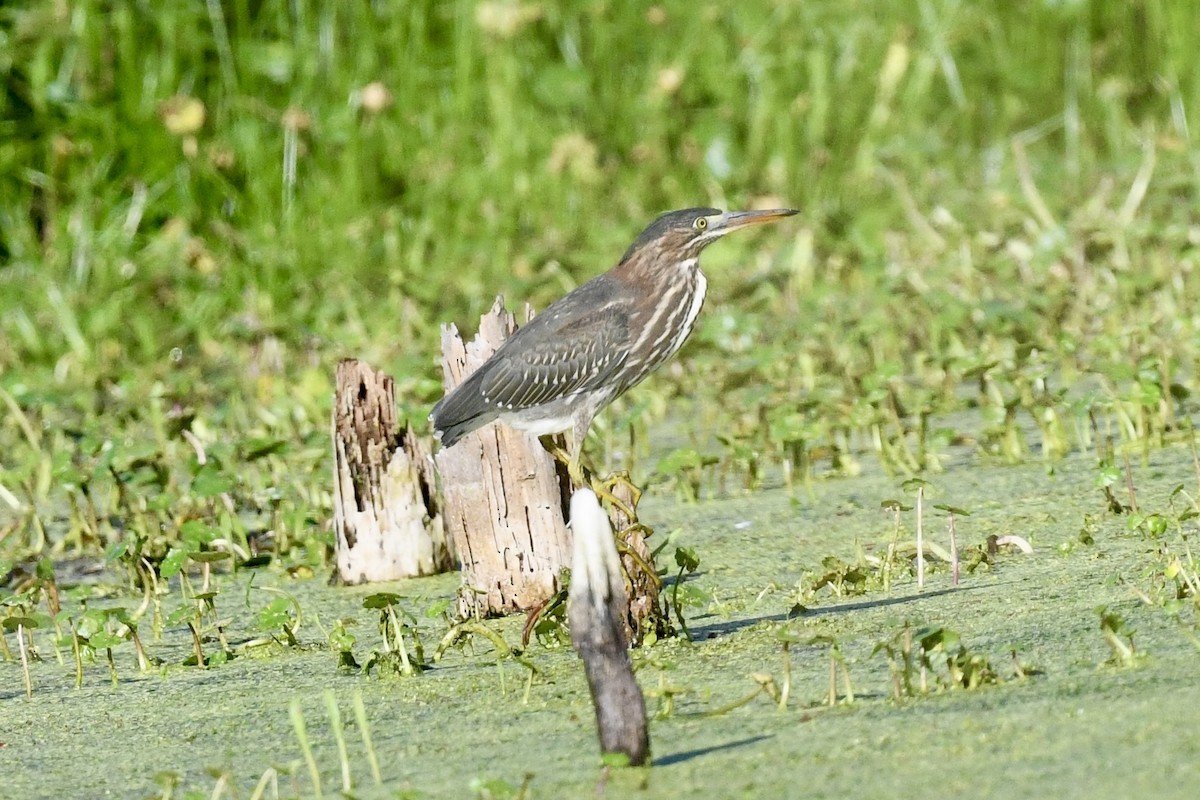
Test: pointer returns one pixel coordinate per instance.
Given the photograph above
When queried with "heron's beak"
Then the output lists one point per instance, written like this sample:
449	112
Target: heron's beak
734	220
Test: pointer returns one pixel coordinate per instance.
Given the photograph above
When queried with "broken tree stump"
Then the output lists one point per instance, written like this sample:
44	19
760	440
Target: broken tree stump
385	514
645	612
503	495
596	610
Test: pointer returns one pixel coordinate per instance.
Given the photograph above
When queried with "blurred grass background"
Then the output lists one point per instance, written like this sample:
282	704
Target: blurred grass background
205	205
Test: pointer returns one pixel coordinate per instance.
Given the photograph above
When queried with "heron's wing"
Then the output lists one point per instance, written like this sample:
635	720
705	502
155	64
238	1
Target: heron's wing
547	362
578	343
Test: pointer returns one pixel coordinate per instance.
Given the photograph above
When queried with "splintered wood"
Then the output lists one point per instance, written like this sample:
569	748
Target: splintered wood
644	612
385	514
503	495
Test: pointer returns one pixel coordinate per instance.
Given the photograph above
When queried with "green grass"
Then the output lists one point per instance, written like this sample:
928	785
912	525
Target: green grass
996	268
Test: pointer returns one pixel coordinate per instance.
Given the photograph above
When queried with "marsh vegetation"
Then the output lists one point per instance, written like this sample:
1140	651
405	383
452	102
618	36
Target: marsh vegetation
991	295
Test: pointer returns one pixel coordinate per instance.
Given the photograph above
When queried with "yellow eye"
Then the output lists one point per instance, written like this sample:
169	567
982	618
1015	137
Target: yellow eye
700	224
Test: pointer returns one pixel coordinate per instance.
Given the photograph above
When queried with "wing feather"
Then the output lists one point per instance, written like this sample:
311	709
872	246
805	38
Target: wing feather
577	359
578	343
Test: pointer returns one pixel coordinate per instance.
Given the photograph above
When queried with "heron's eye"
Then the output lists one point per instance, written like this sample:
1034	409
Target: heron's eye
700	224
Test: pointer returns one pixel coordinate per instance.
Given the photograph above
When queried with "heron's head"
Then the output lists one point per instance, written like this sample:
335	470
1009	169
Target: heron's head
681	235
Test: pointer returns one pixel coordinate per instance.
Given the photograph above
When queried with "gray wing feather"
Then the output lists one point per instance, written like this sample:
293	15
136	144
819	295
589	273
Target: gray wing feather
577	344
580	358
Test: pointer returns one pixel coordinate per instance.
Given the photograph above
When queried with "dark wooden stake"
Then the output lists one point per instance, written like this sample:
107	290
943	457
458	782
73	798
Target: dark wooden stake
597	608
385	513
504	495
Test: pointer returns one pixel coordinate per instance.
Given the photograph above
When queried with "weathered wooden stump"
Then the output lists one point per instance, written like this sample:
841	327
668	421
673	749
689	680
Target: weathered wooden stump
385	513
596	610
503	495
645	612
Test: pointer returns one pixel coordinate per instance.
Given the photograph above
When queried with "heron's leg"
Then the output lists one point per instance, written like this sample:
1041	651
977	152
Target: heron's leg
603	488
575	438
580	476
556	452
583	477
570	457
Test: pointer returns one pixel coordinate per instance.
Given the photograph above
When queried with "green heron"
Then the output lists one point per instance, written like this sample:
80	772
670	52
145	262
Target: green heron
590	346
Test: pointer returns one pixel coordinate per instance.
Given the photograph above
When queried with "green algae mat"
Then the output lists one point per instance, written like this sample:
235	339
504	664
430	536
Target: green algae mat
1068	671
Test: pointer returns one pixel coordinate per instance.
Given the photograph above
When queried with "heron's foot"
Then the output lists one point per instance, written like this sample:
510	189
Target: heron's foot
621	478
606	489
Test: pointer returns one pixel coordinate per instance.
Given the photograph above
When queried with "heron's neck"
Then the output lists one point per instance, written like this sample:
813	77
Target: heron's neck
665	323
658	272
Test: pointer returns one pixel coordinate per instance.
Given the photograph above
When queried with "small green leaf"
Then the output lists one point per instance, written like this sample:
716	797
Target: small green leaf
211	481
196	532
181	615
116	551
12	623
1109	475
788	635
820	639
104	639
255	449
341	638
381	600
438	607
276	614
122	616
45	570
686	559
681	459
211	556
173	563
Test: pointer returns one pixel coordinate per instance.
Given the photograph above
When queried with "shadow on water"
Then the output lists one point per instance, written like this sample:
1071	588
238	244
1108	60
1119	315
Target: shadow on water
688	755
701	632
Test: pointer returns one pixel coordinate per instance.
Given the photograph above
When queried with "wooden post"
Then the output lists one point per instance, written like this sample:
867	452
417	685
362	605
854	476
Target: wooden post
385	513
503	495
596	610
